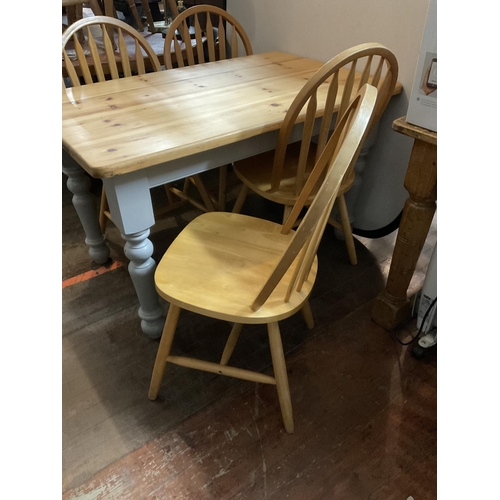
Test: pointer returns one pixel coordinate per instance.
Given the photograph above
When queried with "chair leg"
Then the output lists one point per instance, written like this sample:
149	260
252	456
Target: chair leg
238	205
205	196
231	343
346	227
164	350
280	375
207	204
222	188
135	13
103	208
147	11
307	314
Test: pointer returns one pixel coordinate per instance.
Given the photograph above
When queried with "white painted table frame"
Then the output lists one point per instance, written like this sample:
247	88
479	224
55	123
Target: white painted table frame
130	202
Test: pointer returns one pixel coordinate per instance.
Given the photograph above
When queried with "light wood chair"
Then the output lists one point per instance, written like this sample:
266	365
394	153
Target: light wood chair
210	27
103	57
202	34
280	175
247	270
106	55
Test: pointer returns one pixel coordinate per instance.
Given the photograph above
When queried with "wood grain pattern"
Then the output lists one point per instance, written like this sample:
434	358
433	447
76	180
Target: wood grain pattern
159	117
116	127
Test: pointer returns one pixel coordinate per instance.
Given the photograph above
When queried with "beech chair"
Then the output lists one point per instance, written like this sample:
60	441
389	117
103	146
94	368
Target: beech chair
214	35
247	270
116	50
202	34
280	175
103	57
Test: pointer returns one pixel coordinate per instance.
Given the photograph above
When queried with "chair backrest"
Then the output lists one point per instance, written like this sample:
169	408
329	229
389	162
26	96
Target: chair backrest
204	26
337	157
334	85
115	50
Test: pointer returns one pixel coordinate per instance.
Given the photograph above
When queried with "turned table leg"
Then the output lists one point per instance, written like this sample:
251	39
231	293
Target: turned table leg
392	307
129	200
85	205
139	249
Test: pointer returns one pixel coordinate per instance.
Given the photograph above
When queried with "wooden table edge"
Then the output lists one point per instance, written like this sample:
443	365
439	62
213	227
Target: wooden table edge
414	131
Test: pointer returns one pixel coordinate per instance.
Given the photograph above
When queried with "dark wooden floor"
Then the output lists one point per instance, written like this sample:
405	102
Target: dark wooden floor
364	408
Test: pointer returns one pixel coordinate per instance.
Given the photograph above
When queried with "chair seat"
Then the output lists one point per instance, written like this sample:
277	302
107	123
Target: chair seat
219	263
256	172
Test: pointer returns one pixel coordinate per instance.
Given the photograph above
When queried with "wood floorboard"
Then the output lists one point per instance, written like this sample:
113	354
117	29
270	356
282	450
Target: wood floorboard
364	408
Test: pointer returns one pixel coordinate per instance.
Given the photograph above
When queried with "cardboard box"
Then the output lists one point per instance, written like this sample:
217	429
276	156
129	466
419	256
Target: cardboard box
422	109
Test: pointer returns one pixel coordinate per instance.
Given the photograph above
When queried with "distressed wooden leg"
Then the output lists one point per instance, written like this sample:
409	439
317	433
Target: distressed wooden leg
307	314
163	350
347	230
280	375
139	249
85	205
392	306
238	204
231	343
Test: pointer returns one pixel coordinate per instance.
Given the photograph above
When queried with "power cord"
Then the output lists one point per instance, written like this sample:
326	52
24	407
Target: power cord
432	304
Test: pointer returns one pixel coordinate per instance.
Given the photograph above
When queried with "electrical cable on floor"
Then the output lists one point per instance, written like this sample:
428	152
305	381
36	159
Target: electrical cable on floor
433	303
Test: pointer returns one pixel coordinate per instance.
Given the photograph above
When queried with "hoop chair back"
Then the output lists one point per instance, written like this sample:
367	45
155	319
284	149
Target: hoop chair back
337	157
114	51
367	63
204	33
280	175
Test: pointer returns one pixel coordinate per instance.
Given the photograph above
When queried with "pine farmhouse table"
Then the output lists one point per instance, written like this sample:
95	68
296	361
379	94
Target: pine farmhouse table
144	131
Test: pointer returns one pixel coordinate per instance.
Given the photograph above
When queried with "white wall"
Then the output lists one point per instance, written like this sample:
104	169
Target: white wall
320	29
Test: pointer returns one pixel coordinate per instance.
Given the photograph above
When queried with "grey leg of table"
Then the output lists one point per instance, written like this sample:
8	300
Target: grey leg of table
129	200
139	249
85	205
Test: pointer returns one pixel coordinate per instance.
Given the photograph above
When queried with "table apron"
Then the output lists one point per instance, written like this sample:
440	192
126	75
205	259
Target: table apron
208	160
129	196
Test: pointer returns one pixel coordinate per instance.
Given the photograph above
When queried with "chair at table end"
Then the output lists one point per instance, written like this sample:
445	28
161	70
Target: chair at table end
280	175
246	270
